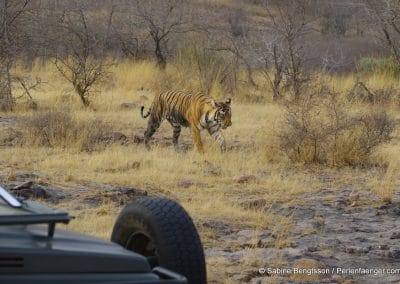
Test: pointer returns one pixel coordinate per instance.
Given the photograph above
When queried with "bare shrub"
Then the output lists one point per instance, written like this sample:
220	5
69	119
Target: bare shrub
319	129
161	20
284	55
84	65
362	136
61	129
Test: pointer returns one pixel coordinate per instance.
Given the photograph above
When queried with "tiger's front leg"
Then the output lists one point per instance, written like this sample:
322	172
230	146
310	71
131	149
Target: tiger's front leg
218	137
197	139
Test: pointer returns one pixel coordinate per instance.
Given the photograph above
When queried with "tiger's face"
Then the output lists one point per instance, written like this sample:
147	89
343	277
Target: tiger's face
223	113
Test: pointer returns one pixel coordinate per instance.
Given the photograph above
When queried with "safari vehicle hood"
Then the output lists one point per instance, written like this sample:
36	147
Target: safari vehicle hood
28	247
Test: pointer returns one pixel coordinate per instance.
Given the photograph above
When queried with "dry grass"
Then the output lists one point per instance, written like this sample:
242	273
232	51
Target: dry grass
386	186
213	194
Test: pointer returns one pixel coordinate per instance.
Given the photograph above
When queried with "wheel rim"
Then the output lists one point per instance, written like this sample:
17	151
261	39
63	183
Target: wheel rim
143	244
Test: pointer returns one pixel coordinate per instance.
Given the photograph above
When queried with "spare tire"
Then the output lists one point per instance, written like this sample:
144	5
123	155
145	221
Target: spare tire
162	230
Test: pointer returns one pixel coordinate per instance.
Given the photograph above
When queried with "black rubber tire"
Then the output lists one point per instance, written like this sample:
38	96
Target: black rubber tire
163	225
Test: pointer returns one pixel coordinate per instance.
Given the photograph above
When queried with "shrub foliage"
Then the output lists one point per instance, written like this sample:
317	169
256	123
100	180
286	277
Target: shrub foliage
62	129
321	129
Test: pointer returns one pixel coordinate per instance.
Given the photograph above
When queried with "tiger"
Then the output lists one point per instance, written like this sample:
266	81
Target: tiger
197	111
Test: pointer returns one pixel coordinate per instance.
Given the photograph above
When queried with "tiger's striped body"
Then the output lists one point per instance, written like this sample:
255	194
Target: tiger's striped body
196	111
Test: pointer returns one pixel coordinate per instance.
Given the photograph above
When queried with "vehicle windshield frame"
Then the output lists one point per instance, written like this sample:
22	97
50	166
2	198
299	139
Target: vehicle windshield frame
16	212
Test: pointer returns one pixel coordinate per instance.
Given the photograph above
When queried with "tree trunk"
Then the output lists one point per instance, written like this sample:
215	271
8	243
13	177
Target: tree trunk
6	100
161	61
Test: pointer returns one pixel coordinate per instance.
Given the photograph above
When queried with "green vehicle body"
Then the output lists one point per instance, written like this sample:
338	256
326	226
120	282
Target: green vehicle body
33	251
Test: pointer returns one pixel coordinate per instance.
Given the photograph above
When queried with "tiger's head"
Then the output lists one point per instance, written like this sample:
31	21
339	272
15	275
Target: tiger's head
223	113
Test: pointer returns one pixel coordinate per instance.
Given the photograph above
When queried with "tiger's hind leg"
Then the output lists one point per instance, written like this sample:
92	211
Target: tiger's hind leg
152	125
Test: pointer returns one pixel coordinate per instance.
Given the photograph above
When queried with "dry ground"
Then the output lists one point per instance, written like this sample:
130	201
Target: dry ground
206	185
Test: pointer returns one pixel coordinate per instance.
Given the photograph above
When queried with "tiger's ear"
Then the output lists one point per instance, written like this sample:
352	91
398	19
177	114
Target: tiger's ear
228	101
213	104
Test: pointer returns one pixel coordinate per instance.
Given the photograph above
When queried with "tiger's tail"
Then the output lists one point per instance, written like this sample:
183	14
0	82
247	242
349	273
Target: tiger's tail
144	115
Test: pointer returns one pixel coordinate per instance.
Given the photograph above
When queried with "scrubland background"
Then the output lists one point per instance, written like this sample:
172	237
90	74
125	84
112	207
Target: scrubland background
316	104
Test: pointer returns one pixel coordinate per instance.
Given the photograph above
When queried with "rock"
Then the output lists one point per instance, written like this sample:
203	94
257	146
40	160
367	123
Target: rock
37	191
131	191
394	252
383	247
26	184
120	195
389	209
312	248
244	178
128	106
253	203
395	235
357	249
219	226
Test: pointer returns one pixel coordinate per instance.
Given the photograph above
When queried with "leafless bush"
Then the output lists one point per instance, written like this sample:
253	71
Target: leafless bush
61	129
283	56
162	20
368	131
319	129
84	64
